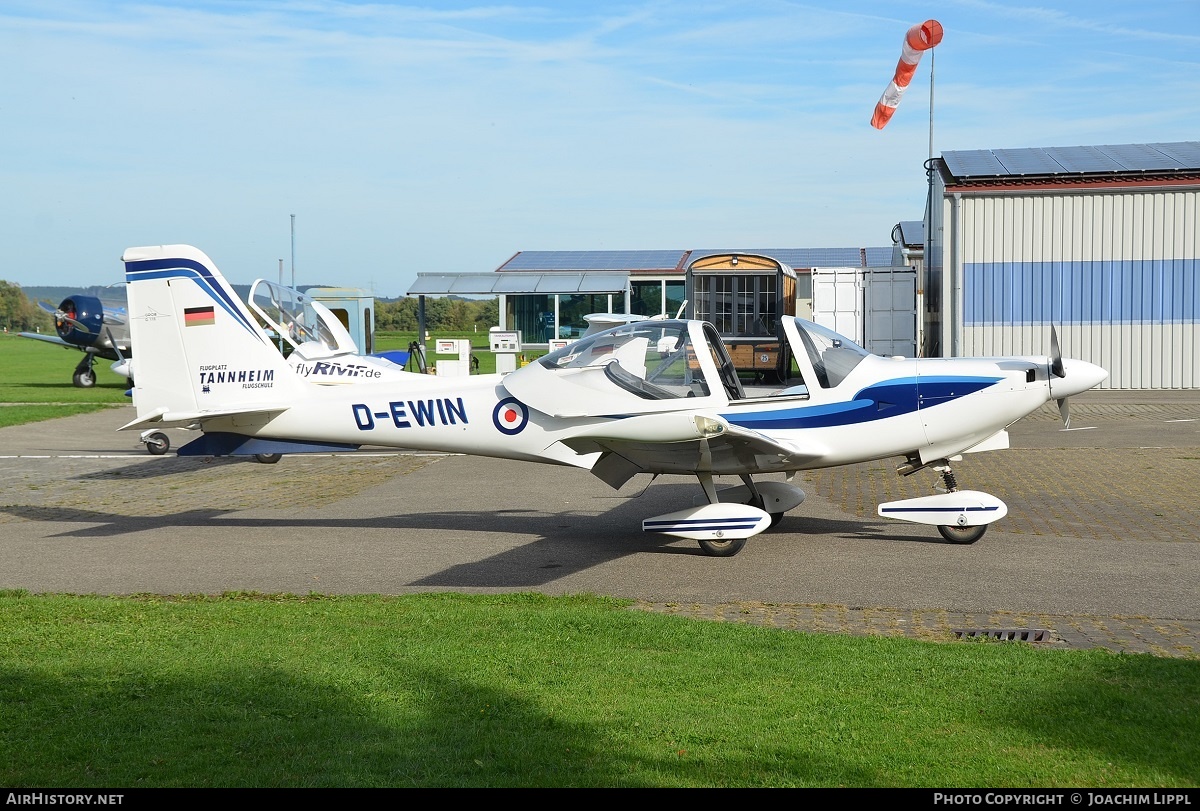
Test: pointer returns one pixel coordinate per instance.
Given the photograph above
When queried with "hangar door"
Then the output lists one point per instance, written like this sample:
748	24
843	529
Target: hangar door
875	307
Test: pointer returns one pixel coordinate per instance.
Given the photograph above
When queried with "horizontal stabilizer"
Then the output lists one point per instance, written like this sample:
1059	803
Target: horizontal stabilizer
962	508
220	443
178	419
712	522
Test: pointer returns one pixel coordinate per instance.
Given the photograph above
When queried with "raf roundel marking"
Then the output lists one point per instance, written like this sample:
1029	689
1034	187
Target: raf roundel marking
510	416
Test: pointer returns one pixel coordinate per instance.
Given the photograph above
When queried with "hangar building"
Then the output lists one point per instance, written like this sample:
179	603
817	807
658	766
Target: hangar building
1100	241
546	295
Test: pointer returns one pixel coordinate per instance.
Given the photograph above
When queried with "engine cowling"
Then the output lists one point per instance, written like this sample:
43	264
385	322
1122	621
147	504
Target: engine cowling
80	320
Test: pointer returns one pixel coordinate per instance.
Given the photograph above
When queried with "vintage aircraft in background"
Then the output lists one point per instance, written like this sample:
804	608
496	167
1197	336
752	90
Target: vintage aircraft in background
83	322
654	396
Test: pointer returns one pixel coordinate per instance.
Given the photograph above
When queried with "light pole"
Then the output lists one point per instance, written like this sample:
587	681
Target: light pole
293	250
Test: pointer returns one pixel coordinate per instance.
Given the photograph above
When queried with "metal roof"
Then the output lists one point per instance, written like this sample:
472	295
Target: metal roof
593	260
1112	159
669	261
909	233
490	284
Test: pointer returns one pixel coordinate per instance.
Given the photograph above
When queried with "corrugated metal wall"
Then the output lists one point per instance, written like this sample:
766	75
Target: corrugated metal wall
1115	272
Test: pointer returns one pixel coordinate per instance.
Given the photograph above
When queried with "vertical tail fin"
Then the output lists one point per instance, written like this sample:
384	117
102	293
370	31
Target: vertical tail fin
197	349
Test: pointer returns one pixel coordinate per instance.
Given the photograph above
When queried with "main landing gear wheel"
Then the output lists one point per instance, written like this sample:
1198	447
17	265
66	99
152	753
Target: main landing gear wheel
84	379
268	458
956	534
157	443
775	519
723	549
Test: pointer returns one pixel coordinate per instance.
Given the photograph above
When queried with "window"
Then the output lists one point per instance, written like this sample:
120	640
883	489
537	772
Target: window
738	305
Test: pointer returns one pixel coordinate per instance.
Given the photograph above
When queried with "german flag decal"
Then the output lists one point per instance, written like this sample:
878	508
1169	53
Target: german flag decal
198	316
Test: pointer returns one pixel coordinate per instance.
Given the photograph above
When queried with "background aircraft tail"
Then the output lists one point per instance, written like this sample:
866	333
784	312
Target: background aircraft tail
199	350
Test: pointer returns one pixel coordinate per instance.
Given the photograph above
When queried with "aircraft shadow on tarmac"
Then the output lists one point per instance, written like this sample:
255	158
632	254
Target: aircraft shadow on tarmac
146	468
561	543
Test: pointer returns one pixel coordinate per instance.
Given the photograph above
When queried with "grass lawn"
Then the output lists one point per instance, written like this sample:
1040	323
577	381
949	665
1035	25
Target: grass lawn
526	690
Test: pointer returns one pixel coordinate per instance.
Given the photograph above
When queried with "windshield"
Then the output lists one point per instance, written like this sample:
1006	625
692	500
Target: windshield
653	359
833	356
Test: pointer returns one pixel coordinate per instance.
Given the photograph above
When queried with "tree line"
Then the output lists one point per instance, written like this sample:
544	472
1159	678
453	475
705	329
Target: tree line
441	314
19	314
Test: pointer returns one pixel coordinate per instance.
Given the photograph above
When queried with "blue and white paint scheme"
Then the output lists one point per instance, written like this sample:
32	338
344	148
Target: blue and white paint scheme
655	396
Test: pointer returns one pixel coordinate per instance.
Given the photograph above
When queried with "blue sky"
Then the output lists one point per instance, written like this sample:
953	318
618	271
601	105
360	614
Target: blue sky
448	136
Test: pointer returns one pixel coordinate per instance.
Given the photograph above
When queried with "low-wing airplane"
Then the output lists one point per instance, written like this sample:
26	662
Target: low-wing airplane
83	322
655	396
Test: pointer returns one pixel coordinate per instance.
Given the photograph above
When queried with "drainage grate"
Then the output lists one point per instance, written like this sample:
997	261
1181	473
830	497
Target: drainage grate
1006	634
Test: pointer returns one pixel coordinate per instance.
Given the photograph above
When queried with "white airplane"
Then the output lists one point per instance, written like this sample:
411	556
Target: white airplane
656	396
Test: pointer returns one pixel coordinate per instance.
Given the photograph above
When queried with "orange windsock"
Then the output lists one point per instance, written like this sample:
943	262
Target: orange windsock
920	38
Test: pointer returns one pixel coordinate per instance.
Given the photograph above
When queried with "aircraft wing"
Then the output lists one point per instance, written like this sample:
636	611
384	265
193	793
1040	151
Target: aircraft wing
736	450
50	339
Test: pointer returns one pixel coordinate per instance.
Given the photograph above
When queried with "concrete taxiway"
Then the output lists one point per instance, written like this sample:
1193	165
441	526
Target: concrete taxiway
1099	548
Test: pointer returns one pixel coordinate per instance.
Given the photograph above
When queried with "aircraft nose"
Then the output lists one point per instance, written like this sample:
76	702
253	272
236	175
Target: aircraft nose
1078	377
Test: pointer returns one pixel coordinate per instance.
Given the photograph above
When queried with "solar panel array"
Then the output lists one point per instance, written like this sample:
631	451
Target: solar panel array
593	260
673	261
1117	158
518	283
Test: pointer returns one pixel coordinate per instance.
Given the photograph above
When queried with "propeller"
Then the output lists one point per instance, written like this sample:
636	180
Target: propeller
113	343
64	317
1056	365
1059	370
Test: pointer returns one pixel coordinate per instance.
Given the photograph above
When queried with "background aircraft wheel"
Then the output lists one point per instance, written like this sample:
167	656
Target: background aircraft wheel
158	443
85	379
268	458
723	549
955	534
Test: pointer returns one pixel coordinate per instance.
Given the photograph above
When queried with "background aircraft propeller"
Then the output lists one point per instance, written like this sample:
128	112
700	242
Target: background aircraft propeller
64	317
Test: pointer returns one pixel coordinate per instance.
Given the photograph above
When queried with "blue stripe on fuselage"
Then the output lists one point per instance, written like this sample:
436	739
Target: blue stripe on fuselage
891	398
